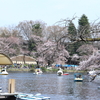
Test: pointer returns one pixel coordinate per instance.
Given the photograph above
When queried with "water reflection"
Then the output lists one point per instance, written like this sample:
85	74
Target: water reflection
56	87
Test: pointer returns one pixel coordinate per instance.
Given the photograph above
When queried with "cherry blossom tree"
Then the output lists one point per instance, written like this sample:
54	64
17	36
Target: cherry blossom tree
10	45
86	49
54	33
9	31
51	53
27	28
91	63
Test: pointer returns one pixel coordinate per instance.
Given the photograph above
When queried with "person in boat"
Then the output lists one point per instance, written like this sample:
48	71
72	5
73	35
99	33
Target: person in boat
80	76
3	68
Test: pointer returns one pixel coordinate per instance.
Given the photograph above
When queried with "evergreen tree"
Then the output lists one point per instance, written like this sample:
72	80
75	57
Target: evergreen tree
37	30
31	45
84	26
72	30
83	32
72	48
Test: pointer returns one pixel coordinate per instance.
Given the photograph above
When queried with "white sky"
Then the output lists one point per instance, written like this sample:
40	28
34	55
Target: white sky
49	11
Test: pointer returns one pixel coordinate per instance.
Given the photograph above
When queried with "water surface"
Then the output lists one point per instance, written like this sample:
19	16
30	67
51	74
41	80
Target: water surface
56	87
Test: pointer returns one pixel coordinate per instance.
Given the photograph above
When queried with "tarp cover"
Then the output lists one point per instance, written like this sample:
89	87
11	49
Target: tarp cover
5	60
57	65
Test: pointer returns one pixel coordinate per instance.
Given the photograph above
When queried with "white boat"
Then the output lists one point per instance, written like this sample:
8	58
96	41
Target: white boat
38	71
59	72
90	73
4	72
23	96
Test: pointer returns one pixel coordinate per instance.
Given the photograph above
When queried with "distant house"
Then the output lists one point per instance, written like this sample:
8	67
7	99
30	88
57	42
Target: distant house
23	59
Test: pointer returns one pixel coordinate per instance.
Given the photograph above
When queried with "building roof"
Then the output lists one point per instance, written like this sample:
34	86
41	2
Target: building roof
23	59
5	60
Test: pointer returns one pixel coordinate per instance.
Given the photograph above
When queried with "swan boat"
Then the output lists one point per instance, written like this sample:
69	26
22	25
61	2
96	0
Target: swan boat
38	71
4	72
90	73
59	72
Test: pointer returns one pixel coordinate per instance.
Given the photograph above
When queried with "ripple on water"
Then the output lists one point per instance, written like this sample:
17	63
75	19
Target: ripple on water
56	87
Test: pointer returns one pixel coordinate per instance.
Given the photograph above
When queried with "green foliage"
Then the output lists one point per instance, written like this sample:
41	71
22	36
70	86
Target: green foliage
32	69
72	30
83	32
54	70
32	66
37	30
83	26
43	69
72	48
83	20
36	26
31	45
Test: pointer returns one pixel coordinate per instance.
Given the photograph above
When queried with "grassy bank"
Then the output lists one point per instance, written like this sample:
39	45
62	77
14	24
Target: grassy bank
45	70
18	69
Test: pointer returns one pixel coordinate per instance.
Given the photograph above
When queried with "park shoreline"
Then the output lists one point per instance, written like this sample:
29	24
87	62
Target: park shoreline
44	70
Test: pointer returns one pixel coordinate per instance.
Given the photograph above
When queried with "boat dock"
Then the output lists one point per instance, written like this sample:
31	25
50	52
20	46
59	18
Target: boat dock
8	96
12	95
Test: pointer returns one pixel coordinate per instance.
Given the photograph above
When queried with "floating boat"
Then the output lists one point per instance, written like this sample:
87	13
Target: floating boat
98	87
4	72
38	71
59	72
23	96
90	73
78	77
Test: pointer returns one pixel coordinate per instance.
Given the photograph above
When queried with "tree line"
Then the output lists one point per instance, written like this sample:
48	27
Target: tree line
60	43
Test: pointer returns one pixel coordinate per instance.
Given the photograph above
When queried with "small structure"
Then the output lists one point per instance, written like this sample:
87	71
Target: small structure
23	59
4	60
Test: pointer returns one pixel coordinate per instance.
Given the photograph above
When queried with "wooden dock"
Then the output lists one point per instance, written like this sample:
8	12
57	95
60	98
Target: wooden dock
11	95
8	96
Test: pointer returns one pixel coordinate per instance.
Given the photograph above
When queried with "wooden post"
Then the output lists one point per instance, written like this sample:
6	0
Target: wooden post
11	87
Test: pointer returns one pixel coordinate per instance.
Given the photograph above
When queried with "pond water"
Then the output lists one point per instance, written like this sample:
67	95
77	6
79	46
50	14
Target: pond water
53	86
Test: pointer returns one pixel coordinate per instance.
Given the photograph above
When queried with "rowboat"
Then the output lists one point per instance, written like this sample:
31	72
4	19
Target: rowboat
78	77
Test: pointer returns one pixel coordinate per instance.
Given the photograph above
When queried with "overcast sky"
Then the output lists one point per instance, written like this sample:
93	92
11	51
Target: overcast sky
49	11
